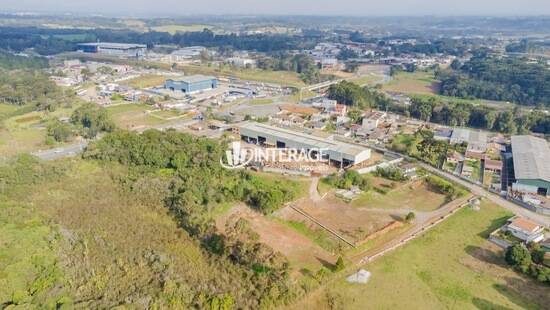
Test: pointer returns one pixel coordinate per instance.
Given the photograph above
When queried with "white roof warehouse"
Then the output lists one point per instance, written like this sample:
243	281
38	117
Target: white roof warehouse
347	154
531	157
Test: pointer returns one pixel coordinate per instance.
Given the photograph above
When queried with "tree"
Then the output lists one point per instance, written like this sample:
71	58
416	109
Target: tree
410	217
339	266
456	64
518	256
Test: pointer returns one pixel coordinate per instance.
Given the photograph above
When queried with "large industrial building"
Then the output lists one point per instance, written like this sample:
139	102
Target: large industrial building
531	157
192	84
341	153
116	49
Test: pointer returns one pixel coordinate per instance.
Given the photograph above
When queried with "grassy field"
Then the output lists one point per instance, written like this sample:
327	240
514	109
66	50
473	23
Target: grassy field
285	78
415	196
146	81
25	132
260	101
419	82
366	80
172	29
130	116
434	271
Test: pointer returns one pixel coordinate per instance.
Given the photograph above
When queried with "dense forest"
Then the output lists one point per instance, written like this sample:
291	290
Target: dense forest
501	79
54	41
31	87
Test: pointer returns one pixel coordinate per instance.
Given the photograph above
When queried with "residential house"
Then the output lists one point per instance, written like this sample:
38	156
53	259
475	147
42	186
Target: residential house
525	229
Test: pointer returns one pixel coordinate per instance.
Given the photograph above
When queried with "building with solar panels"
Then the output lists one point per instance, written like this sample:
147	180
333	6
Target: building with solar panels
531	157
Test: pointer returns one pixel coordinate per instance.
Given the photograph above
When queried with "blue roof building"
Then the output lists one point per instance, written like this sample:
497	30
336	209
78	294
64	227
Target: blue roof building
192	84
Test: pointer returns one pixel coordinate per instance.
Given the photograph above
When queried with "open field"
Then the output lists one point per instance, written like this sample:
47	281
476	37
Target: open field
25	132
130	116
352	223
286	78
442	269
172	29
416	196
413	83
146	81
366	80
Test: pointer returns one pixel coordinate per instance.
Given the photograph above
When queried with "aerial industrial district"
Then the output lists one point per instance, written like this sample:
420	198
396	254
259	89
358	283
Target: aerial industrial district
342	222
513	172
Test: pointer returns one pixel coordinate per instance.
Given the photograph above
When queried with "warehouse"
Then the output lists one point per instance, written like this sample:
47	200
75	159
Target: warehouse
531	157
340	153
192	84
116	49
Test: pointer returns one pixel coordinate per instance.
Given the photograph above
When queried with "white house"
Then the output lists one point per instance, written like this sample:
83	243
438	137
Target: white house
525	229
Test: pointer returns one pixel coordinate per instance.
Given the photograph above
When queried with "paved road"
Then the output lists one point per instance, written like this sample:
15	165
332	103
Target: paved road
77	148
62	152
480	191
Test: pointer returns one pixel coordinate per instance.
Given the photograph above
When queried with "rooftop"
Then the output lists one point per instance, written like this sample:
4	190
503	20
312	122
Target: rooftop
531	157
306	139
195	78
524	224
114	45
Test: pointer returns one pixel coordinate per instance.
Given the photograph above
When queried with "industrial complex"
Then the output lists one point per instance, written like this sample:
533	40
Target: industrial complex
192	84
116	49
340	153
531	157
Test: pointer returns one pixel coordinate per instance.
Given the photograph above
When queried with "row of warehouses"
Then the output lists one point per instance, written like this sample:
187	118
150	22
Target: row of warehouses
340	153
531	158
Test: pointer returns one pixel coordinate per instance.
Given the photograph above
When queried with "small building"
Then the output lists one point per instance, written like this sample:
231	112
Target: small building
241	62
373	119
192	84
524	229
462	135
115	49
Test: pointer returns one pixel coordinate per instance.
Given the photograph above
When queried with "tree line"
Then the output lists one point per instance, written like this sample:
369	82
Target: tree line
302	64
502	79
443	111
459	113
31	87
54	41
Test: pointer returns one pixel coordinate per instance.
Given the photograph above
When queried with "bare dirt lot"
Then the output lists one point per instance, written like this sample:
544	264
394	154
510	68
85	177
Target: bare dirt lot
354	224
299	249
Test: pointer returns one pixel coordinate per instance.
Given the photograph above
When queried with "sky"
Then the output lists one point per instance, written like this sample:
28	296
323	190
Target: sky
155	8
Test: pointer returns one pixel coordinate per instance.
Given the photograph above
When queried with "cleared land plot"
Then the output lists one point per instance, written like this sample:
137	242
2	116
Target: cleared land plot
172	29
146	81
276	77
26	132
354	224
129	116
300	250
416	196
413	83
436	271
